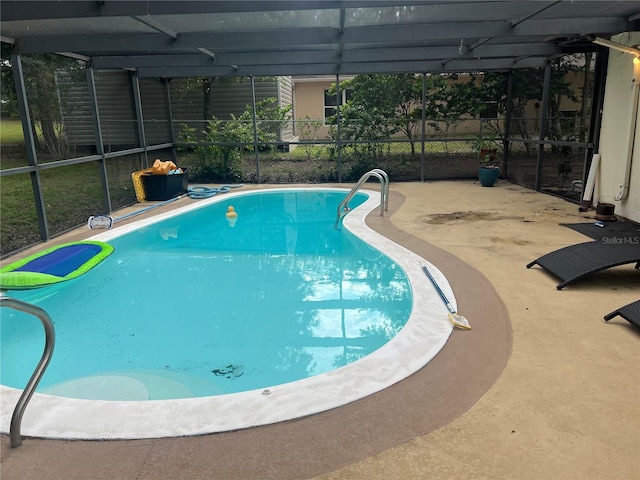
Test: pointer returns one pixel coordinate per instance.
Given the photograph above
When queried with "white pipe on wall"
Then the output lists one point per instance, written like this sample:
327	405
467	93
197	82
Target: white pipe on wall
633	119
587	193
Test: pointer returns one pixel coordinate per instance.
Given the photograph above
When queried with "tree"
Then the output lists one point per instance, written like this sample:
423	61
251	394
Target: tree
206	85
221	163
7	88
527	86
587	96
453	97
383	105
42	94
380	106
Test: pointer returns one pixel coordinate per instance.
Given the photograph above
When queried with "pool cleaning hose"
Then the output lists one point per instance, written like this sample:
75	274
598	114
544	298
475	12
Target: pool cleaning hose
196	192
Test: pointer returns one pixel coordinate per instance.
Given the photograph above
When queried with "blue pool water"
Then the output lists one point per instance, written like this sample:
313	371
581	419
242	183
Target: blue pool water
191	306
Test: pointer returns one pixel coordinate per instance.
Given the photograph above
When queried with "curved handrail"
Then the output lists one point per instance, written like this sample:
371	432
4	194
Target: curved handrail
27	393
385	186
384	192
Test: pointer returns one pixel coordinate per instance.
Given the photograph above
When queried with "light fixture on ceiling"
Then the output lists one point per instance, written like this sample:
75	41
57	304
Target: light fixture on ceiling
618	46
625	49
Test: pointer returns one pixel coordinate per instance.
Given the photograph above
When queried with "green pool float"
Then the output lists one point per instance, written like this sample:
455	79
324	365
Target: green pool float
54	265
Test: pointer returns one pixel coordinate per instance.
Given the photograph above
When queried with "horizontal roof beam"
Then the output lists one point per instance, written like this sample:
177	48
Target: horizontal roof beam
217	41
329	56
433	53
15	10
475	30
434	66
157	42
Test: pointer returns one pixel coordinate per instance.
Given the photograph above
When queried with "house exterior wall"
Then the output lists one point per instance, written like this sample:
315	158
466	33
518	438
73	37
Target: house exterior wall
226	100
308	95
115	107
75	109
234	98
285	98
620	133
309	104
116	110
117	114
154	111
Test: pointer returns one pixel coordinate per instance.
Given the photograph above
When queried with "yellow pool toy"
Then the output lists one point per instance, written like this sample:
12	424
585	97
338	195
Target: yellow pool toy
232	216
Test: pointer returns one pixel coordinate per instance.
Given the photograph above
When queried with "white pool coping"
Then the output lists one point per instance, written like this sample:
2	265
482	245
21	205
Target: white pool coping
425	334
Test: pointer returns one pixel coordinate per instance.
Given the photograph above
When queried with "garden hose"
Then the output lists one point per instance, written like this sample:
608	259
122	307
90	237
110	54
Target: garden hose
206	192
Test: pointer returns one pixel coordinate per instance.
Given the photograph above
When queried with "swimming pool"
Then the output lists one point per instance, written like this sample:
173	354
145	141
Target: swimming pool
425	332
192	307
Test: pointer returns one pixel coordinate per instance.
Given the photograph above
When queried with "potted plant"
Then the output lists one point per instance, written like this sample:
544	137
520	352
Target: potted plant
487	150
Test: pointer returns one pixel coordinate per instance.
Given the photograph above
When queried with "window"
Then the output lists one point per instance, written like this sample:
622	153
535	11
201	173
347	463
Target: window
330	103
569	121
490	110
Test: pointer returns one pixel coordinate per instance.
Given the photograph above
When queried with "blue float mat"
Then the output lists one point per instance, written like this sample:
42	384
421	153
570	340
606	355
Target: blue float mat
56	264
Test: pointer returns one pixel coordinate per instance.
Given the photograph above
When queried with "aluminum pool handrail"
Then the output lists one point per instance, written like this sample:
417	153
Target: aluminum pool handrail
378	173
29	390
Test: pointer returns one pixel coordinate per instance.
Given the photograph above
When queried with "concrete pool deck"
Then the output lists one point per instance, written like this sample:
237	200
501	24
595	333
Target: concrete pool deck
541	387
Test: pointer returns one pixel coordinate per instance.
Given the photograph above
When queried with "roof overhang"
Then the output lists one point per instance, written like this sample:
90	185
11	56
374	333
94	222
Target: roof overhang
293	37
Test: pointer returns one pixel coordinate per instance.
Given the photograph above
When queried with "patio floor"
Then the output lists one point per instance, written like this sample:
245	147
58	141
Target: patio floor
540	388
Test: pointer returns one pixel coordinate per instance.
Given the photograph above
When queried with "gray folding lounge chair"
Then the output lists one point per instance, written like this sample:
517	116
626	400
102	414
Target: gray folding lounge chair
576	261
631	313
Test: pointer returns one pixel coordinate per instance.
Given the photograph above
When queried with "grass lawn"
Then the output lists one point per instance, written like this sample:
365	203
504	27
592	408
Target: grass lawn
71	194
11	131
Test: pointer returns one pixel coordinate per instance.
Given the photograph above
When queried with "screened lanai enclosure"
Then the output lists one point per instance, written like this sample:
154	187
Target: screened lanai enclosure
93	91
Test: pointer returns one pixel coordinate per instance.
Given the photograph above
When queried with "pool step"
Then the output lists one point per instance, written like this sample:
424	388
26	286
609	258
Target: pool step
101	387
130	385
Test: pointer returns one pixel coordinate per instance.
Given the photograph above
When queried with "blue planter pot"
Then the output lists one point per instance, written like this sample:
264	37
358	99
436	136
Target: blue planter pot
488	176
